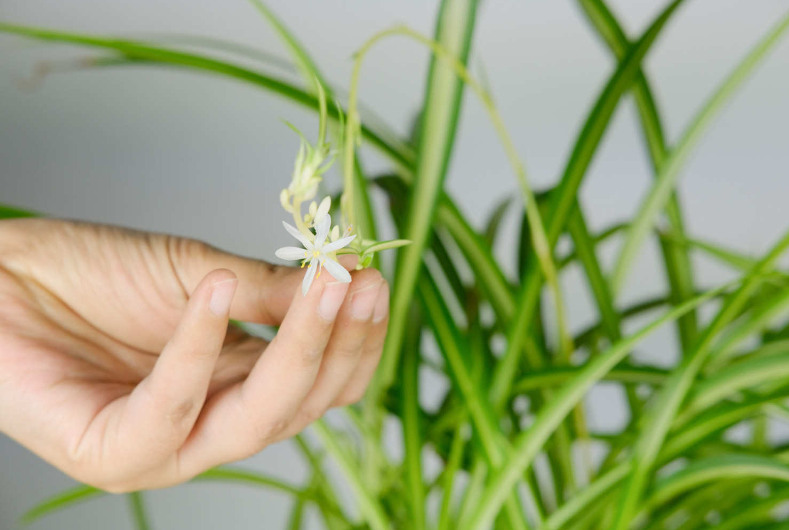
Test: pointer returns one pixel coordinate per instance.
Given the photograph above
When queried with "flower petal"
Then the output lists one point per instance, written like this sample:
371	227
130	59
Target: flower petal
322	210
322	230
292	230
340	243
310	192
291	253
337	271
305	284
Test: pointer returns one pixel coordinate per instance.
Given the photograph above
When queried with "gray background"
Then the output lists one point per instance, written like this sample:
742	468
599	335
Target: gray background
200	156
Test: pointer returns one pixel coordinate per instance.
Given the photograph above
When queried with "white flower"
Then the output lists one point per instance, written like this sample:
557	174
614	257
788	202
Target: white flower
315	212
321	210
315	253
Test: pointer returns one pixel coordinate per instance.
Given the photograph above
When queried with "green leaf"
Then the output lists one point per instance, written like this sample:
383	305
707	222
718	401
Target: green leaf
449	473
296	515
400	154
585	251
487	272
411	417
139	513
529	443
762	314
585	498
482	417
732	379
669	399
715	420
309	71
670	171
494	221
473	491
712	421
62	500
725	467
557	376
441	108
563	199
9	212
385	245
369	506
326	498
269	60
755	512
233	474
82	493
734	259
675	257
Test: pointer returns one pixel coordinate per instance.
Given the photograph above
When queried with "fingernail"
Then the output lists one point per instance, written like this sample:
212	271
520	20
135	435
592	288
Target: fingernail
222	296
382	306
331	300
363	301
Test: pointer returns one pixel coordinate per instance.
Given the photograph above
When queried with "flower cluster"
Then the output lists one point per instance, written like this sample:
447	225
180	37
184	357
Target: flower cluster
317	251
321	241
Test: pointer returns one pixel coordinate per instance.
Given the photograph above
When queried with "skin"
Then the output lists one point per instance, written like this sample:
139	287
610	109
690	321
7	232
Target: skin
117	364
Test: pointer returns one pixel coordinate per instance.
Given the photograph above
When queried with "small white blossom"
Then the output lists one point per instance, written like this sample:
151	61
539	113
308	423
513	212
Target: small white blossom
321	210
316	212
316	252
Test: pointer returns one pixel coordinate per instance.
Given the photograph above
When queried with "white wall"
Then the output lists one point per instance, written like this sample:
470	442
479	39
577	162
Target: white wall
204	157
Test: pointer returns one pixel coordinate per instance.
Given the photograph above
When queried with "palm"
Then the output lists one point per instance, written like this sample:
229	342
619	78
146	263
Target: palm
83	351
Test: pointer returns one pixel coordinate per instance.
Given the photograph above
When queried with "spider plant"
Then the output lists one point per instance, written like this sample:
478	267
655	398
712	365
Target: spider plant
672	465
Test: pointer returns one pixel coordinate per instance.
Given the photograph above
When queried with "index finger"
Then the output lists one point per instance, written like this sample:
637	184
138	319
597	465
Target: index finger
256	411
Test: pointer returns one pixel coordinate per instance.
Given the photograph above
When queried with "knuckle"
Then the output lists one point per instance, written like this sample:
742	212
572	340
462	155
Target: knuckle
346	352
311	355
183	249
313	414
303	346
181	413
274	429
352	396
182	253
357	395
375	348
264	435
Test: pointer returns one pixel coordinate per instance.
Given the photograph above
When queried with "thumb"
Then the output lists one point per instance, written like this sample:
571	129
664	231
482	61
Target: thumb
264	292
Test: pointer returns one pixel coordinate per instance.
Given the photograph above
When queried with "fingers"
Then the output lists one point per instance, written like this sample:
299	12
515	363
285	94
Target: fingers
344	349
245	418
162	409
371	353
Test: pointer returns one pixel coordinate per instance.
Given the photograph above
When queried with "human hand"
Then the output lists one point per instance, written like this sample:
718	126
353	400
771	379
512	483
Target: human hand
118	367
